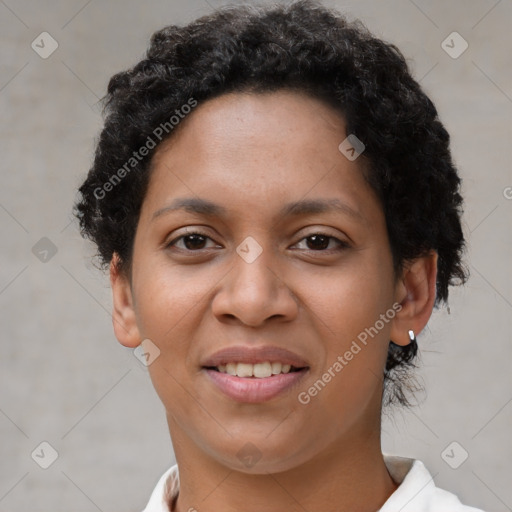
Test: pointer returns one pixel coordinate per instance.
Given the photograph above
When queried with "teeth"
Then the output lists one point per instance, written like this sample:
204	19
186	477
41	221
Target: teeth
230	368
276	368
259	370
244	370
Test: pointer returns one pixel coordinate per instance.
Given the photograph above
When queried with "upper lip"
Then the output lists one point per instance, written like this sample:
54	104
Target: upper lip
254	355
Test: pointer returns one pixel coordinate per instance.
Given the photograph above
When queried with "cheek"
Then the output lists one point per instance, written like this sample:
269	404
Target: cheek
169	313
170	306
352	297
355	316
347	385
167	297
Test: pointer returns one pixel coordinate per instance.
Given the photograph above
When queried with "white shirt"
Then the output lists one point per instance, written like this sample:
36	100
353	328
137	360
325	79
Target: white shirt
417	491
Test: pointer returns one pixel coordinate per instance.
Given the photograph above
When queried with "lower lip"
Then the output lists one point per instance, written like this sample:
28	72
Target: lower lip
252	389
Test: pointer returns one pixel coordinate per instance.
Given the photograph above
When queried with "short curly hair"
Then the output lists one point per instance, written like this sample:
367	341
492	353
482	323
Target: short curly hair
305	47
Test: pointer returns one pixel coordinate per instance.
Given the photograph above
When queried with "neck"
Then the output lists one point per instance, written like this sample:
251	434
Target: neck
350	475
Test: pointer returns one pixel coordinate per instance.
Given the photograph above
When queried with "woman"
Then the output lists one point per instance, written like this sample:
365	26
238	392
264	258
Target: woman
275	199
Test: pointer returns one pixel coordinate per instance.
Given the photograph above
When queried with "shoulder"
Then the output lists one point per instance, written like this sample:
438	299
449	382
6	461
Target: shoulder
417	491
165	492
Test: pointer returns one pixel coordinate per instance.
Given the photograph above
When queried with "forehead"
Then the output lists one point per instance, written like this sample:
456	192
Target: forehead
269	121
254	149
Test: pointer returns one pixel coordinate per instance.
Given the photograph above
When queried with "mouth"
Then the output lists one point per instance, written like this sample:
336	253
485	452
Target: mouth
262	370
254	374
254	383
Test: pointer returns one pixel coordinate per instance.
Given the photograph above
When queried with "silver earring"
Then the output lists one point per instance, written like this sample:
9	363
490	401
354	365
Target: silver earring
412	336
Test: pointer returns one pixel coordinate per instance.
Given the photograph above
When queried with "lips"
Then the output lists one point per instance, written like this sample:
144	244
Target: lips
254	390
242	373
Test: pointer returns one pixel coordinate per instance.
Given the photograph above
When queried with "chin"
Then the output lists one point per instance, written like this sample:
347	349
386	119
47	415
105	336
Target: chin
258	464
260	456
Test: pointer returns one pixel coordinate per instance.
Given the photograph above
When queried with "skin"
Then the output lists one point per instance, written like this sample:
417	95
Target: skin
245	151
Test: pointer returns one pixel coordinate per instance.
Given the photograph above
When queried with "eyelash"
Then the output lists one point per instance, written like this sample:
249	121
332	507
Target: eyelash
342	245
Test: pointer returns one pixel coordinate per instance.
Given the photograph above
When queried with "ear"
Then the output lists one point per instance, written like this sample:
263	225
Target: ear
415	292
123	313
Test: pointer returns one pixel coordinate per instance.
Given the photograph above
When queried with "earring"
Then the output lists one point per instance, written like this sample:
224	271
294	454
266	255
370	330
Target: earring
412	336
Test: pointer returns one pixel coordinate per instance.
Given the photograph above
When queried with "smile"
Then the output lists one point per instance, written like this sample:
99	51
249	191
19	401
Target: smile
259	370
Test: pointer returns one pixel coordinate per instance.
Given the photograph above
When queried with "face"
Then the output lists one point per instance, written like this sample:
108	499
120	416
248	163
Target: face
260	280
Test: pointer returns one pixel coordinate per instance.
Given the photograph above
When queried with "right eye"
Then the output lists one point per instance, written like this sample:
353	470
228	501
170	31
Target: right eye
193	241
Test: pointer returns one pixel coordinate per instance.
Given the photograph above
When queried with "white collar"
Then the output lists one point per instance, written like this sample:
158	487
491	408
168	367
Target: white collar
417	491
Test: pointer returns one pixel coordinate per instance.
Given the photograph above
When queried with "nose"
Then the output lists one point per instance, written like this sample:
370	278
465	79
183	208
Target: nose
254	292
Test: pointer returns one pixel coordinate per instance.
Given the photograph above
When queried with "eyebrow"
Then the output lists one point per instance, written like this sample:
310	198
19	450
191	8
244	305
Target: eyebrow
296	208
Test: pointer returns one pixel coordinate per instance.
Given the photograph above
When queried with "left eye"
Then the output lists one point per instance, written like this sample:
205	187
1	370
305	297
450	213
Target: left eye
321	242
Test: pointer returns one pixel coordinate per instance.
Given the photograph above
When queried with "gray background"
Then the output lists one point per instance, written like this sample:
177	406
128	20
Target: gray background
64	377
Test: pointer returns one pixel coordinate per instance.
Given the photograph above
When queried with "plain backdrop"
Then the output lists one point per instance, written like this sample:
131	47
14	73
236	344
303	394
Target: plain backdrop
66	381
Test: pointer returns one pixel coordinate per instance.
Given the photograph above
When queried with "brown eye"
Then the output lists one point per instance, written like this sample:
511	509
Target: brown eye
317	242
320	242
193	241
